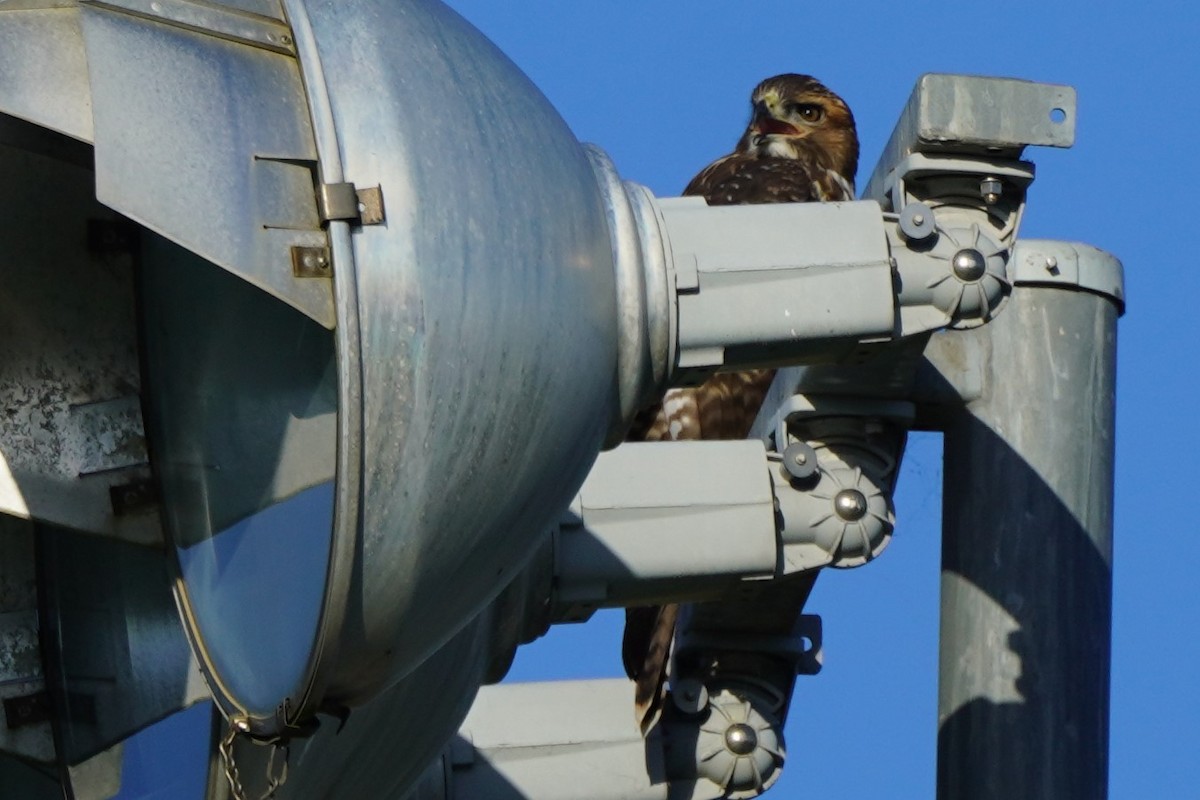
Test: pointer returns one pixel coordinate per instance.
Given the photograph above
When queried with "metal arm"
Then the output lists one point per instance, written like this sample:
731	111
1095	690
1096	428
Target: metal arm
705	288
691	520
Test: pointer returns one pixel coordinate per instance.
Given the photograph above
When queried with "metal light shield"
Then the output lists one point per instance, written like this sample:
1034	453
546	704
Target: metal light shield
486	343
352	463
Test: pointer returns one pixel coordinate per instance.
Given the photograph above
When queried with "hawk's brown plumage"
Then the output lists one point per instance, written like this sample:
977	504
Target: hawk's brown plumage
800	146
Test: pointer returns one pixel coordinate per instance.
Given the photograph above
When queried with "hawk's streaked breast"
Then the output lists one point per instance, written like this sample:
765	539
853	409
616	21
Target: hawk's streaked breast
800	146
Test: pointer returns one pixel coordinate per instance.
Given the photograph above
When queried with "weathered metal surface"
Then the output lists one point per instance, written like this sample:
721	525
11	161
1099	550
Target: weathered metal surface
1071	265
215	19
1027	553
470	291
968	113
45	67
370	205
213	150
21	671
72	426
778	282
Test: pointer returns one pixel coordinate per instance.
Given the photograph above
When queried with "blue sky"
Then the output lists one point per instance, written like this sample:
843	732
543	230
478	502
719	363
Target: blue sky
662	86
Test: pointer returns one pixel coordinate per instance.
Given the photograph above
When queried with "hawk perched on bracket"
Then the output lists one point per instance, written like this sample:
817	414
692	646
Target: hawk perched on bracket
800	146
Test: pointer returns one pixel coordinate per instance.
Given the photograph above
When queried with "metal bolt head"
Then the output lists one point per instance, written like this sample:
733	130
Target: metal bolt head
991	189
800	461
314	260
311	262
917	222
741	739
850	504
968	264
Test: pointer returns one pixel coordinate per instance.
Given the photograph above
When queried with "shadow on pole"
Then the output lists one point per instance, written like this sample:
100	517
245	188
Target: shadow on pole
1026	588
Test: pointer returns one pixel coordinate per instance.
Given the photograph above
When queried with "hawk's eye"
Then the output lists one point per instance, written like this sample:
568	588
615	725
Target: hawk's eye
809	112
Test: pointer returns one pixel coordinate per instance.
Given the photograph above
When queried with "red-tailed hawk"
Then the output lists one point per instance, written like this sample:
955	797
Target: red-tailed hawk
800	146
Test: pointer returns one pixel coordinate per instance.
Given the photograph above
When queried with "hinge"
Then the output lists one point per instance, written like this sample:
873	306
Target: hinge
342	201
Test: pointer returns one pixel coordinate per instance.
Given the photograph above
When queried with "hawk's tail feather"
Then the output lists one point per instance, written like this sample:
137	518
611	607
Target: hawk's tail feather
650	686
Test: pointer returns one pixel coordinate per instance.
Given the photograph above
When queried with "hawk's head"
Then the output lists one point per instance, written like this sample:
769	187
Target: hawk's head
791	107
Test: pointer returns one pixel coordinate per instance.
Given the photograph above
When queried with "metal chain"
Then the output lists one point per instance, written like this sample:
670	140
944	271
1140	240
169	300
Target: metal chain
276	777
231	770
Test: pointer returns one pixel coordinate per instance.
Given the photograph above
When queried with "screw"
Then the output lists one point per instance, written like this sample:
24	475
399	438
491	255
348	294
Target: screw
918	219
801	459
1052	265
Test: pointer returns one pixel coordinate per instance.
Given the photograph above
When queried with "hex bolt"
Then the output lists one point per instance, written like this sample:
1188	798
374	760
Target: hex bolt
991	189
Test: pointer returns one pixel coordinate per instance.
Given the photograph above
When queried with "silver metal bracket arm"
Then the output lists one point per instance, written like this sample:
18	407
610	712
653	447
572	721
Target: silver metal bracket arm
691	521
702	288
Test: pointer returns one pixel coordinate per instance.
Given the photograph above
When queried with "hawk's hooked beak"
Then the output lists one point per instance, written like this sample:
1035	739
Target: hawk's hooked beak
764	122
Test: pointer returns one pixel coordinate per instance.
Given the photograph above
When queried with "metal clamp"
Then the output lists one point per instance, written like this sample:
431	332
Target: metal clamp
343	201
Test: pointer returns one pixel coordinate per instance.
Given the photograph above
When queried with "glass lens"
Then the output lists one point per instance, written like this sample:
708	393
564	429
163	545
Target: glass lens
242	396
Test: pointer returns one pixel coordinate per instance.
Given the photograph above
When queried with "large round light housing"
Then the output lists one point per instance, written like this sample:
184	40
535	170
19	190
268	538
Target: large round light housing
349	480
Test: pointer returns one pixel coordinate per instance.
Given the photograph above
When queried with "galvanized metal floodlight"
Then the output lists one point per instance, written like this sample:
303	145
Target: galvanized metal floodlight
376	364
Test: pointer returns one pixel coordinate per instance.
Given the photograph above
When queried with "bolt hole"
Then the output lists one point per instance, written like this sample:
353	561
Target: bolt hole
1058	116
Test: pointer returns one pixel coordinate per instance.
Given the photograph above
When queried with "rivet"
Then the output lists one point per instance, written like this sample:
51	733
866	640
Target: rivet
741	739
969	264
850	505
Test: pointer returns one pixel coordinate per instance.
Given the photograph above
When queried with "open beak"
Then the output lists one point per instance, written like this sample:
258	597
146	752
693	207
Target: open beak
764	122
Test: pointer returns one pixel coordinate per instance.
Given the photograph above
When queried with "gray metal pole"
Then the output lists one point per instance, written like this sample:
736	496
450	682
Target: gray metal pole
1026	601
